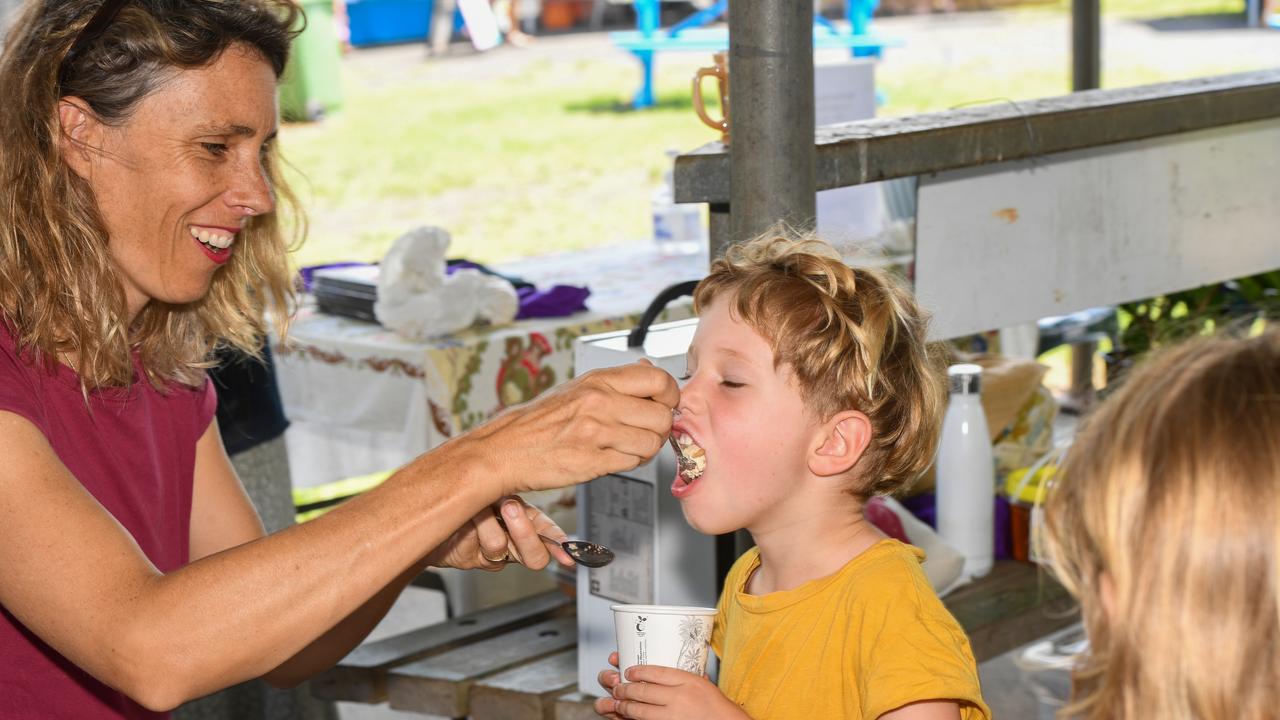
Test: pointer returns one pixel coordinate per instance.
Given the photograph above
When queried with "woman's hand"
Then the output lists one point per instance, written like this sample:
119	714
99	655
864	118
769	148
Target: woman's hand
484	543
653	692
602	422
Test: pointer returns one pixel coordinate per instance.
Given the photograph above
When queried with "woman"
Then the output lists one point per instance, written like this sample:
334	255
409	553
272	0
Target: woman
138	230
1166	526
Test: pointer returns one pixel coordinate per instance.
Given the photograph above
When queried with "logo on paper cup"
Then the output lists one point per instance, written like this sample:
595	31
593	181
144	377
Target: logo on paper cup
642	647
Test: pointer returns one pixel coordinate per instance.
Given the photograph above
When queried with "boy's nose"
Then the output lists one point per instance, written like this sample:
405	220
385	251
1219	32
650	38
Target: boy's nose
690	397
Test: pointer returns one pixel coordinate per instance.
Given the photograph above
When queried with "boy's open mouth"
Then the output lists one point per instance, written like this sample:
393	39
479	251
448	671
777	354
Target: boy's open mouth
695	453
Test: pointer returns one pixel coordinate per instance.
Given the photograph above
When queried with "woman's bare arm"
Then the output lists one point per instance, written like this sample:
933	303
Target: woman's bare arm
75	577
223	517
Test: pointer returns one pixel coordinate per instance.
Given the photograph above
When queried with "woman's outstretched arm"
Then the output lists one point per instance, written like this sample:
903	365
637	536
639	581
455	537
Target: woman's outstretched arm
72	575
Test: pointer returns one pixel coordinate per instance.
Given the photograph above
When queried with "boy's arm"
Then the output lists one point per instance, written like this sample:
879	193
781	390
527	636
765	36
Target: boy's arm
927	710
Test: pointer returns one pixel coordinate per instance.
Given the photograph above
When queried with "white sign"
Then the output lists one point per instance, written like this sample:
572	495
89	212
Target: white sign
1011	243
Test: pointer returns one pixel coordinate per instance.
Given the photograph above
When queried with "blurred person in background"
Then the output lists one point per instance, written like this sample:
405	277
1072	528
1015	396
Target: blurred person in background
1165	523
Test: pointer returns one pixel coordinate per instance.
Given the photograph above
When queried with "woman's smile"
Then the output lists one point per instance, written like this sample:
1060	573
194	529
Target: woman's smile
215	241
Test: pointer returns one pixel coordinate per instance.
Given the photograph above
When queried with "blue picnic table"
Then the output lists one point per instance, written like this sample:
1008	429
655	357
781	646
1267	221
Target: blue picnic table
691	34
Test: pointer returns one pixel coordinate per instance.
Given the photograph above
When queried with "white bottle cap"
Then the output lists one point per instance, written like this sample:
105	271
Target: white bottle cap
965	379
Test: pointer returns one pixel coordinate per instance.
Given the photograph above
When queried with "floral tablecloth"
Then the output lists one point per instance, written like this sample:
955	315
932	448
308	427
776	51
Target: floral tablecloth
362	399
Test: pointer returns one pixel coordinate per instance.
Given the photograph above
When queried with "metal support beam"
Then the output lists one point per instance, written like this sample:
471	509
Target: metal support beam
771	128
718	228
1086	44
872	150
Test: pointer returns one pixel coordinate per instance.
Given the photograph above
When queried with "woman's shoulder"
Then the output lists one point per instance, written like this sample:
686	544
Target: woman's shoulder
19	384
14	363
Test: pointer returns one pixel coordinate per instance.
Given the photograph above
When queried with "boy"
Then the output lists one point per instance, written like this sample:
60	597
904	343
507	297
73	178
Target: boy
810	389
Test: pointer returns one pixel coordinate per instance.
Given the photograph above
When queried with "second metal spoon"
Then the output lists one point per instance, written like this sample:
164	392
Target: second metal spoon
587	554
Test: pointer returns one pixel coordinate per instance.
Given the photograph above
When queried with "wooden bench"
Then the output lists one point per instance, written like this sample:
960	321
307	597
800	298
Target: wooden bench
519	661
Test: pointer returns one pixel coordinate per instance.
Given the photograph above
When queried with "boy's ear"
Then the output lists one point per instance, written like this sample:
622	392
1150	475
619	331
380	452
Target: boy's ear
844	437
80	135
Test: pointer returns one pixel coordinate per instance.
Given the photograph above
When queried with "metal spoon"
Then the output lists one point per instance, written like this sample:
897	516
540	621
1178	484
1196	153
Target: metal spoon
586	554
684	462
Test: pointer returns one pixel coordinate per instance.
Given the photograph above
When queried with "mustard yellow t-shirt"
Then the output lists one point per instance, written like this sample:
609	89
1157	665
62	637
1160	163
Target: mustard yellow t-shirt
857	644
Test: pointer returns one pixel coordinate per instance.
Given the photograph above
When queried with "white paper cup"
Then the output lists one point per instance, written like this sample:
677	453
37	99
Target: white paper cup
669	635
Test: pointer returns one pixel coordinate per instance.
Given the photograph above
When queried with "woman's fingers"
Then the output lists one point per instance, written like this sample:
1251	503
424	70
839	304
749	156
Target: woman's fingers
492	539
605	421
648	419
545	526
643	379
526	546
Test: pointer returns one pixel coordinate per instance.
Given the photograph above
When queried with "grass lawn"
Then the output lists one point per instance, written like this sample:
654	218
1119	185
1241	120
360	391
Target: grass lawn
525	163
1161	8
519	156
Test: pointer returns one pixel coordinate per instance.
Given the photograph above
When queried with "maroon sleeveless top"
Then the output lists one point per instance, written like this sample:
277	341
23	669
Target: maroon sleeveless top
133	450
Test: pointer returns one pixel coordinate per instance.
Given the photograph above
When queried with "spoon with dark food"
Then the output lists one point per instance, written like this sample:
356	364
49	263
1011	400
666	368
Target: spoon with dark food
586	554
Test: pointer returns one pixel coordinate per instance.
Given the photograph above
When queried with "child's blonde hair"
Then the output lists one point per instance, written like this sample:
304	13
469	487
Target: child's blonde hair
855	339
1171	494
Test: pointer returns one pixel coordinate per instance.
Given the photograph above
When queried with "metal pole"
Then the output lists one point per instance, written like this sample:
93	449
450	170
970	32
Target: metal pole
771	124
1086	44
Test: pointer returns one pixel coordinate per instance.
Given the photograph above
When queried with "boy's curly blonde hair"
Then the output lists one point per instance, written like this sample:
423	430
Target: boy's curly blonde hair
855	339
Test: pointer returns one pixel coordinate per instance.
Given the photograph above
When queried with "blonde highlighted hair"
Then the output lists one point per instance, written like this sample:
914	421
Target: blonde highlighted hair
59	291
1165	523
854	338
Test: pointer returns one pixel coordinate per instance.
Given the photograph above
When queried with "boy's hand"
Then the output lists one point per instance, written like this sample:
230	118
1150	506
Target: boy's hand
608	680
661	693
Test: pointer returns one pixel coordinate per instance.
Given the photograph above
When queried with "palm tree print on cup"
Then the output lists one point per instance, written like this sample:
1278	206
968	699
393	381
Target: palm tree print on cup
694	635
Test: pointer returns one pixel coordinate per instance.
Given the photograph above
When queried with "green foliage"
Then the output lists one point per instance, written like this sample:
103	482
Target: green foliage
1162	8
1161	320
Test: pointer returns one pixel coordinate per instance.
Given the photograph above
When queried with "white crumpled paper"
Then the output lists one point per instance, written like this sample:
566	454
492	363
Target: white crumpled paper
419	301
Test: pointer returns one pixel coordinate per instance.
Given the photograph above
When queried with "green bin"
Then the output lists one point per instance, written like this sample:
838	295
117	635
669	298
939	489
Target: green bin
312	84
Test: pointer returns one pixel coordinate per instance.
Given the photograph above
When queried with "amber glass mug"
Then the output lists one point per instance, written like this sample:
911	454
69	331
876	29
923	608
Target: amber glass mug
720	71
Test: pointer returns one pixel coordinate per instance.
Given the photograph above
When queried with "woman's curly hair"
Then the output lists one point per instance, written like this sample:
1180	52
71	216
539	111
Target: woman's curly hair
59	290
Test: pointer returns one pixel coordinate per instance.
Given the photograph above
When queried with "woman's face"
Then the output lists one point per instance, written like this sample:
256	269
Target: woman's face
179	180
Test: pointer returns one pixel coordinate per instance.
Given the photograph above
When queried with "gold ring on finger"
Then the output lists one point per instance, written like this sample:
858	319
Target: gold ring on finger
506	558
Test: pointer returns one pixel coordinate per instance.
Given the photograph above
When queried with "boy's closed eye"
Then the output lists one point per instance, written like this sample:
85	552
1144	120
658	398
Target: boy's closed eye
726	382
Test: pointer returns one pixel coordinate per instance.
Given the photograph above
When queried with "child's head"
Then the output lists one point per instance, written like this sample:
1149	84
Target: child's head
1166	524
803	366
